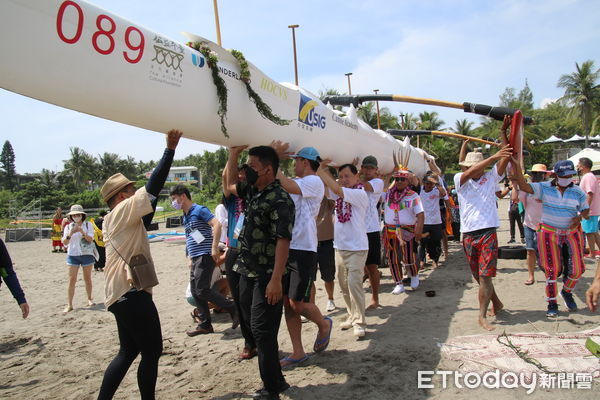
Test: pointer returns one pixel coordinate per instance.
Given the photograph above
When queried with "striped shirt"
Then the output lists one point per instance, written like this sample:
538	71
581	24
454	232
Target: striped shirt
197	219
558	209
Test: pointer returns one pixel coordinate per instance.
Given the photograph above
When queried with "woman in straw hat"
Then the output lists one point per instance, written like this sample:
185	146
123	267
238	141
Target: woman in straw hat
78	237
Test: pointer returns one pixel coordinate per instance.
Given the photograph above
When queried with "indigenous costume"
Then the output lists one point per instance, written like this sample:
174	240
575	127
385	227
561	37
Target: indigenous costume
559	245
400	210
56	235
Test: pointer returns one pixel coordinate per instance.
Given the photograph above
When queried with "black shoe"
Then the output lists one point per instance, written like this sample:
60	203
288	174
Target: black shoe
266	395
235	319
512	240
200	331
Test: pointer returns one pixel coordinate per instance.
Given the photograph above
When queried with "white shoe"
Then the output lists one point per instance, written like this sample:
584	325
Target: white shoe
398	289
330	305
414	282
346	325
359	331
303	319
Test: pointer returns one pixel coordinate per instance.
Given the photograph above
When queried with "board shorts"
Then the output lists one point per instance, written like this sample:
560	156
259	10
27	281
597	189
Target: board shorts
326	261
481	249
374	254
302	266
590	225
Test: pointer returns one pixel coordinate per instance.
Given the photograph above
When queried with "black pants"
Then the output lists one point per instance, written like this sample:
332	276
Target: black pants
432	243
264	321
513	216
202	292
139	332
102	257
233	278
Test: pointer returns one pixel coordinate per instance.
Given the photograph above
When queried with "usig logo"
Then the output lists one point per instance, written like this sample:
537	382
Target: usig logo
307	113
197	60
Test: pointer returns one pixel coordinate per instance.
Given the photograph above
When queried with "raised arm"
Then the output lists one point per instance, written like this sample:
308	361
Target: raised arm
518	179
501	167
479	168
231	175
463	151
328	180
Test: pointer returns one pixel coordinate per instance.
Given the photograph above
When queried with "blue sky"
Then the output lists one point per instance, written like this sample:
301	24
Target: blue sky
460	50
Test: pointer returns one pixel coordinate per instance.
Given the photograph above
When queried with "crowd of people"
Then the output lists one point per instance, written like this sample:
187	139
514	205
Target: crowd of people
273	233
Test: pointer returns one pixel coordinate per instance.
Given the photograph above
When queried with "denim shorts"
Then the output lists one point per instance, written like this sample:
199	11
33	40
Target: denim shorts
83	261
530	238
590	225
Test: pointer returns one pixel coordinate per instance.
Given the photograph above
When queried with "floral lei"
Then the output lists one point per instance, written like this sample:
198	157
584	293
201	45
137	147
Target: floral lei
394	197
341	205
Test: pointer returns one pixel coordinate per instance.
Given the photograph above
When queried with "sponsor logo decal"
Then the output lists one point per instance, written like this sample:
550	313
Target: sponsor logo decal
166	64
344	121
273	88
309	115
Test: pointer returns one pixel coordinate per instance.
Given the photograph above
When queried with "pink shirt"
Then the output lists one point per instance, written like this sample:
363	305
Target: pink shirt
589	184
533	210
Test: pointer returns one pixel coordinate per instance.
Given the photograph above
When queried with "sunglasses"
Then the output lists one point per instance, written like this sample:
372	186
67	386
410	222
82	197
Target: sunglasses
400	179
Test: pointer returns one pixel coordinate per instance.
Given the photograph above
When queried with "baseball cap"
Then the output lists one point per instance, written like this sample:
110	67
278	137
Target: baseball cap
564	167
369	161
309	153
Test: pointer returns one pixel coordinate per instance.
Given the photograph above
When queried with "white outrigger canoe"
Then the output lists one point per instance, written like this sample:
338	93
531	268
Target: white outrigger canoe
81	57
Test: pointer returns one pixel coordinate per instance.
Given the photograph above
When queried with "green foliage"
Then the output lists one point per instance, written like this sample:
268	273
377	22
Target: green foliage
263	108
582	92
368	113
7	164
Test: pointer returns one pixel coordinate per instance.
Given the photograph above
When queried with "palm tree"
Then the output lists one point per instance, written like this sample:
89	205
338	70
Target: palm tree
108	165
582	92
430	121
462	127
80	166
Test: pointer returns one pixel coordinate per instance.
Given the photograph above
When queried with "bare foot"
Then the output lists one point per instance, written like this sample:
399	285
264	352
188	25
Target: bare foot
67	309
91	303
373	306
435	264
495	310
486	325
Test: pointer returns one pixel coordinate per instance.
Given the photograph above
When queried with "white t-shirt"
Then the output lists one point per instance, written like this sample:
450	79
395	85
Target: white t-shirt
304	234
411	205
431	206
221	214
78	246
352	235
477	201
372	216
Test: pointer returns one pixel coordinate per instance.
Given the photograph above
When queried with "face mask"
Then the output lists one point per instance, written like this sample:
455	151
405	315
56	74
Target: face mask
564	182
77	218
175	204
251	175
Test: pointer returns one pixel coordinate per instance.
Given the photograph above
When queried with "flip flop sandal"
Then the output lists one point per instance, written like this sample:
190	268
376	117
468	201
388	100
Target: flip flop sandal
529	282
292	362
321	345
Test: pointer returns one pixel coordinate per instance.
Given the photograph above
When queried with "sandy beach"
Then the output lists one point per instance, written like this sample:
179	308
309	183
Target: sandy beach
56	356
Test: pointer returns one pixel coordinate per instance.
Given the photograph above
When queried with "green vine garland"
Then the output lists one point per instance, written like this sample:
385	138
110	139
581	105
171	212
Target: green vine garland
262	107
211	61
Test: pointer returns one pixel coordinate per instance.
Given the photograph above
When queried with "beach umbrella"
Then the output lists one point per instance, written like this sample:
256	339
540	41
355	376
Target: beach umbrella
481	109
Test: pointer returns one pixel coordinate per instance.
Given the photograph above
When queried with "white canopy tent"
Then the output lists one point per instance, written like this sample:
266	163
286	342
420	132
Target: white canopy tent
593	155
575	138
553	139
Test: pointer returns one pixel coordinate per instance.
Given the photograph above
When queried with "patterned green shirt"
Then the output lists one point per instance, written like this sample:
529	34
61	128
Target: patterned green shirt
269	216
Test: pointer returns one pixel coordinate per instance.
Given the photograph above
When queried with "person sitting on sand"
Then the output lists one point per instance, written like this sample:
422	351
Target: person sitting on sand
476	190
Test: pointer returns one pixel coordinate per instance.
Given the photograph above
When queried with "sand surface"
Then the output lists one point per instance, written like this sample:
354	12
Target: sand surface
56	356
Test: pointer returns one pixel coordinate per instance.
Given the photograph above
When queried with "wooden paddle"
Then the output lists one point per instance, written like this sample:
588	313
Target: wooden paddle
497	113
410	132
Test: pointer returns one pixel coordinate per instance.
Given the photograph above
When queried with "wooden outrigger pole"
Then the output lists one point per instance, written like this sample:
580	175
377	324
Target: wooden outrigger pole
497	113
407	132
